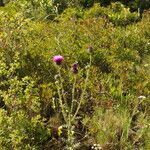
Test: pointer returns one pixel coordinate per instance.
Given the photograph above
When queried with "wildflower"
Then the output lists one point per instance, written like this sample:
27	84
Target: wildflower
90	49
75	68
72	132
141	97
96	147
58	59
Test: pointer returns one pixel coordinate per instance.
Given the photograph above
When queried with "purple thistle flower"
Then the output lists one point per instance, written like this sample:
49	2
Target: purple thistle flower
75	68
58	59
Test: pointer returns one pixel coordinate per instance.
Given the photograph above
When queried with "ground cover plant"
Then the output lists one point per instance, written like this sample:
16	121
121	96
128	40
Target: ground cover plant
74	76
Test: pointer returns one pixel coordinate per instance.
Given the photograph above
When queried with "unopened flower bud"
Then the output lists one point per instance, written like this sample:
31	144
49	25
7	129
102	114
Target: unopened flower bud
75	68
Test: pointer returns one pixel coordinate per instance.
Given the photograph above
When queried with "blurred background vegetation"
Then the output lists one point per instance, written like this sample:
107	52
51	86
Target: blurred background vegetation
113	115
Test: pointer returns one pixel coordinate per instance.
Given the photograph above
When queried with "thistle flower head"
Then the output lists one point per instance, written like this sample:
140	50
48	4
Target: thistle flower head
58	59
75	68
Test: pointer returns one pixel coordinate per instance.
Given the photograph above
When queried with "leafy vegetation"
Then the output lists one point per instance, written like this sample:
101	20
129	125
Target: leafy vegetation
105	100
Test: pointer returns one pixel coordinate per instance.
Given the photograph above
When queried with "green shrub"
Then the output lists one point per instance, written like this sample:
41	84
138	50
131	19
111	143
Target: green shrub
20	122
111	113
116	13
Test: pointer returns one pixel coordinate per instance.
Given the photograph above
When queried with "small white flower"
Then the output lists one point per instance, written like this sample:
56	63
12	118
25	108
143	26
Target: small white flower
146	65
141	97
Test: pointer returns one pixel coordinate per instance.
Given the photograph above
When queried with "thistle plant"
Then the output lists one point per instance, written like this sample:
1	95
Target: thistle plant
70	112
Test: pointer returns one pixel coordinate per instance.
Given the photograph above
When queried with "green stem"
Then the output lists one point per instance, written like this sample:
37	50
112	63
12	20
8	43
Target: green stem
69	130
84	90
61	96
62	88
69	125
73	94
61	103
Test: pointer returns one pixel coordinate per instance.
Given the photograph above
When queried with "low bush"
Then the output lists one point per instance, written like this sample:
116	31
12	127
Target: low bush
110	112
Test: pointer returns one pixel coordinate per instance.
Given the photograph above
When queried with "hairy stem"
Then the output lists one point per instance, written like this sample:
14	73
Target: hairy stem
84	90
60	91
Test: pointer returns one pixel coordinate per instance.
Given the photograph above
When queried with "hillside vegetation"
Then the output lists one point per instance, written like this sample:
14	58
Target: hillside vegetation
96	97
